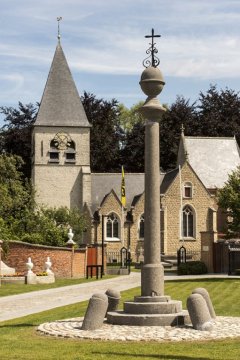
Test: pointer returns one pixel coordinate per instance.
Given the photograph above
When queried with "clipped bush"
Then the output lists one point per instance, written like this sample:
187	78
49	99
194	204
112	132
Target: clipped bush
192	268
32	238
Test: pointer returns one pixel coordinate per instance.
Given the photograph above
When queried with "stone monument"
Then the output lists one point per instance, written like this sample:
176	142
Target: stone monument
152	307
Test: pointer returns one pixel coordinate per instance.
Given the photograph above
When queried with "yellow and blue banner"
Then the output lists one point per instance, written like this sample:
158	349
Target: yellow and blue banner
123	191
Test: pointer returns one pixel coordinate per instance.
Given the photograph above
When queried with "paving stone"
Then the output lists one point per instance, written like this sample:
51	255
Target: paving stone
224	327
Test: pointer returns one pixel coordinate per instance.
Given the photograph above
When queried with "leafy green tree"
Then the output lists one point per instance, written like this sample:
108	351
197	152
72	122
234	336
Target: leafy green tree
180	113
130	117
66	218
49	226
229	200
19	217
219	112
106	133
133	150
16	195
15	134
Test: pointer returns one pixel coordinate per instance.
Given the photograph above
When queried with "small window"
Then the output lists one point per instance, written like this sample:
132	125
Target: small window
188	220
141	227
187	190
70	153
112	227
53	153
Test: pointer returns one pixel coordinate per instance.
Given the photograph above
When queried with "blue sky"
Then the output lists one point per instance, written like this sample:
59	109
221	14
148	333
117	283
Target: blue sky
104	43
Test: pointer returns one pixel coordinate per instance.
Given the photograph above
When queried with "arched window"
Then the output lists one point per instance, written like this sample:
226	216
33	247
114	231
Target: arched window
141	227
53	153
70	152
112	227
187	190
188	222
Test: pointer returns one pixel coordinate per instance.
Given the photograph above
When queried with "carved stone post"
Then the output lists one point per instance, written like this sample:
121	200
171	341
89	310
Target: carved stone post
152	273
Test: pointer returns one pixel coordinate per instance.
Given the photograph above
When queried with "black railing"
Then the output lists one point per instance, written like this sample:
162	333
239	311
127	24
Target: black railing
233	259
119	259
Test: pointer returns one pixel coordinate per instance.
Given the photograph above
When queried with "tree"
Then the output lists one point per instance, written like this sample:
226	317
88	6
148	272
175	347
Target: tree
15	135
15	193
219	113
49	226
181	112
129	117
20	219
106	133
133	150
229	200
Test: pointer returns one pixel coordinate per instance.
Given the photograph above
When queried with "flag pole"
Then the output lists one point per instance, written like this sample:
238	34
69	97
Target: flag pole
123	202
181	204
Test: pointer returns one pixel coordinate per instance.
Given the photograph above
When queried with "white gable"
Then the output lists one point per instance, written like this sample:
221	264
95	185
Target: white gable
213	159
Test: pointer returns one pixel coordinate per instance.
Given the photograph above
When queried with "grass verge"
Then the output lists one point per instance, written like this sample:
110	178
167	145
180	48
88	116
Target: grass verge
19	339
14	289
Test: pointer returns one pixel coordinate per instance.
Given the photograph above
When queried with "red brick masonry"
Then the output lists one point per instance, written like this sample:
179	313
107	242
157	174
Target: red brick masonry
66	262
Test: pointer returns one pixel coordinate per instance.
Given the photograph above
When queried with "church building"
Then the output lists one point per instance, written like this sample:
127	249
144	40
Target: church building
62	177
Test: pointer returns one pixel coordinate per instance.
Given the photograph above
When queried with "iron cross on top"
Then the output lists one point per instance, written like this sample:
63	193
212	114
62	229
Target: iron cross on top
152	50
152	36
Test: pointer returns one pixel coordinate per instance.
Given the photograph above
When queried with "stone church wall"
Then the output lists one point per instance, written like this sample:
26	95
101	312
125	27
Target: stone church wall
61	184
200	201
137	244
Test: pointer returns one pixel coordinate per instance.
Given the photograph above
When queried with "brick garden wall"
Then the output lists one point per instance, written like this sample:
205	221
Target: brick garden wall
65	262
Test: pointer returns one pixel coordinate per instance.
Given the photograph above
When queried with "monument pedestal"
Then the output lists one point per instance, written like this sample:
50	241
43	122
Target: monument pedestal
150	311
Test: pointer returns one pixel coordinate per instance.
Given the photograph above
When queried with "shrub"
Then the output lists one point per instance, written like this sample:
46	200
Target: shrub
33	238
192	268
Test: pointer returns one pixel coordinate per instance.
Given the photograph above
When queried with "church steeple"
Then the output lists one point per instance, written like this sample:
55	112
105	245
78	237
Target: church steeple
61	104
61	170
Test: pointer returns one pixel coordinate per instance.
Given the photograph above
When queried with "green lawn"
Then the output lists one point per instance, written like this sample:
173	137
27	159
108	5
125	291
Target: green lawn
13	289
19	339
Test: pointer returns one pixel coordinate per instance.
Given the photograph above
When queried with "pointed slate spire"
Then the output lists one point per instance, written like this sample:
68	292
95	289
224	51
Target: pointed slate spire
61	104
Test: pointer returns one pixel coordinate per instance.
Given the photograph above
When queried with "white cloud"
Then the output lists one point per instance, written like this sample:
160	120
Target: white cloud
200	40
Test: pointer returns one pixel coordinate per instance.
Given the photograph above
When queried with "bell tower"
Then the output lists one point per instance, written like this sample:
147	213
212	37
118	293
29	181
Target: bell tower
61	141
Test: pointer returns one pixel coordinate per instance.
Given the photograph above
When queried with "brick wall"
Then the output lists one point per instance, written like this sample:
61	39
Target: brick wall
66	263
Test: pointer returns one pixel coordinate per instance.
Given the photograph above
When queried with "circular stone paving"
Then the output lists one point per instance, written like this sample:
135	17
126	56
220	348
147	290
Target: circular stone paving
224	327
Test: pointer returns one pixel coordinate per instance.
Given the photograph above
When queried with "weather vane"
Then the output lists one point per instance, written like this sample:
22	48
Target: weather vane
58	20
152	59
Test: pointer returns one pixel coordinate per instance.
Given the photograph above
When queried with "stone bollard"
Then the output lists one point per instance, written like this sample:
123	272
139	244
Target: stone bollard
114	297
207	298
96	312
199	313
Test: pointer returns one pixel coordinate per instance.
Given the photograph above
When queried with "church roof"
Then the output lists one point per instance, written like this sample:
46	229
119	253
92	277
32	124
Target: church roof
61	104
167	180
212	158
103	183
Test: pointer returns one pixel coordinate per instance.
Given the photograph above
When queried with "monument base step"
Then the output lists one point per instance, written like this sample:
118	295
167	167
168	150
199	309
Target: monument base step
151	299
165	307
122	318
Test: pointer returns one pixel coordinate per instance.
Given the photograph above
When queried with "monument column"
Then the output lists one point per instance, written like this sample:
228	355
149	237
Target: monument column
152	273
152	308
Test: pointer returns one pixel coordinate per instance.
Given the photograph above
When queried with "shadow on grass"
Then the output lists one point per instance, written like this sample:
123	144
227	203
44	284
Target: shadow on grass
154	356
18	325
